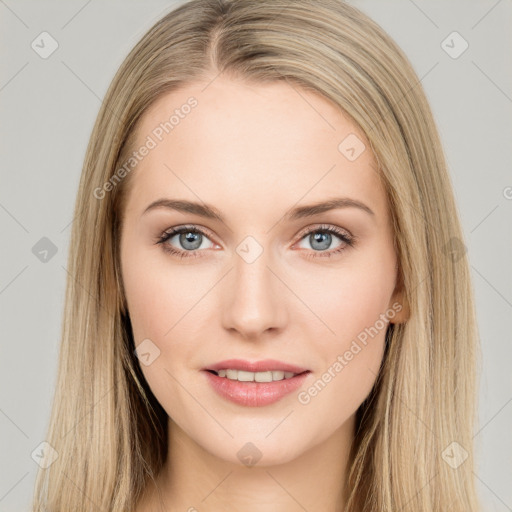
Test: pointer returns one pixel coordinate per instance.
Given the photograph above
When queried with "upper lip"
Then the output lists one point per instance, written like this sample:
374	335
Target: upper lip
256	366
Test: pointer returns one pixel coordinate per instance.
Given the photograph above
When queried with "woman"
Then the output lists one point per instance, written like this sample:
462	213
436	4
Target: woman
269	306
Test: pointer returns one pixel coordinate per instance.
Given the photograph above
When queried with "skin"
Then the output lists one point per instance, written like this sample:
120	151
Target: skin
254	151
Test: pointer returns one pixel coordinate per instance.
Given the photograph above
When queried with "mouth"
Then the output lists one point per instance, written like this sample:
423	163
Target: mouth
267	370
254	384
246	376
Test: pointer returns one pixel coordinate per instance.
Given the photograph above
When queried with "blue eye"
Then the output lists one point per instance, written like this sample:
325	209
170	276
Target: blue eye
191	238
321	238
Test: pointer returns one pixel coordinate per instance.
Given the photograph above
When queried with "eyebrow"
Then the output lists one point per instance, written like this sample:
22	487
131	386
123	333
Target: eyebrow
210	212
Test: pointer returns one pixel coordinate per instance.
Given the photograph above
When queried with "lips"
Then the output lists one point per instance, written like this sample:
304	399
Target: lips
255	393
257	366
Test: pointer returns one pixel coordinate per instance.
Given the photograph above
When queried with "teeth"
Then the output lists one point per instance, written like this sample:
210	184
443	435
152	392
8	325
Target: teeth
231	374
278	375
243	376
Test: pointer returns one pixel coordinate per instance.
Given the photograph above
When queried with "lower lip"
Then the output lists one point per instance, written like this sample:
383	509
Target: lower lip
254	394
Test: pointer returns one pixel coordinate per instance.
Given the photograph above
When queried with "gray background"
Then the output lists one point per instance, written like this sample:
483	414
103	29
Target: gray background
48	107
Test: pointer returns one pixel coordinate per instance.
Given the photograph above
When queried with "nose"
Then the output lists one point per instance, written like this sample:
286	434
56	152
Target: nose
255	298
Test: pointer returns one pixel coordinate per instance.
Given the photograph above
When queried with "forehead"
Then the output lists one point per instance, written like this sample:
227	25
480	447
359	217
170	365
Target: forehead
252	144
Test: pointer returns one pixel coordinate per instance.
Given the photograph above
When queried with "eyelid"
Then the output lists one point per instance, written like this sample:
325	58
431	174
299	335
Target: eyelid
191	227
324	227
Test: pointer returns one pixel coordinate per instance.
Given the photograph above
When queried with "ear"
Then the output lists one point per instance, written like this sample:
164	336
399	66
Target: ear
398	302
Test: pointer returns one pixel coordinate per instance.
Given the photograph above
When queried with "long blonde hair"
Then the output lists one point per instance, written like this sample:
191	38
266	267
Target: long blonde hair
106	426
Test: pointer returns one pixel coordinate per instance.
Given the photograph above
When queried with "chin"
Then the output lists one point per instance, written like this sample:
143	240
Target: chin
258	451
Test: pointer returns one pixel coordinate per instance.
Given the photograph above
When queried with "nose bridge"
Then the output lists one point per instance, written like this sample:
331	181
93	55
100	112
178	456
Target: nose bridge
255	304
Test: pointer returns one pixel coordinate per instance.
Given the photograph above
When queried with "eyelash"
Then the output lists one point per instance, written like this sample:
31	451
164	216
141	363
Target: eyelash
349	240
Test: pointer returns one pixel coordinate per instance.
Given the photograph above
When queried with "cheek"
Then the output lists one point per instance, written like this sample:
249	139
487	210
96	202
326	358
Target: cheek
350	300
351	361
338	391
163	306
353	305
158	294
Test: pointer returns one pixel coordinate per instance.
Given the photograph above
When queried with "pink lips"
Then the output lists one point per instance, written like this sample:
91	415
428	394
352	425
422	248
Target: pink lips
258	366
254	394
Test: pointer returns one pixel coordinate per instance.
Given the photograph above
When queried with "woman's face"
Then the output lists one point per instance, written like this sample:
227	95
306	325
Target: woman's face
265	282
